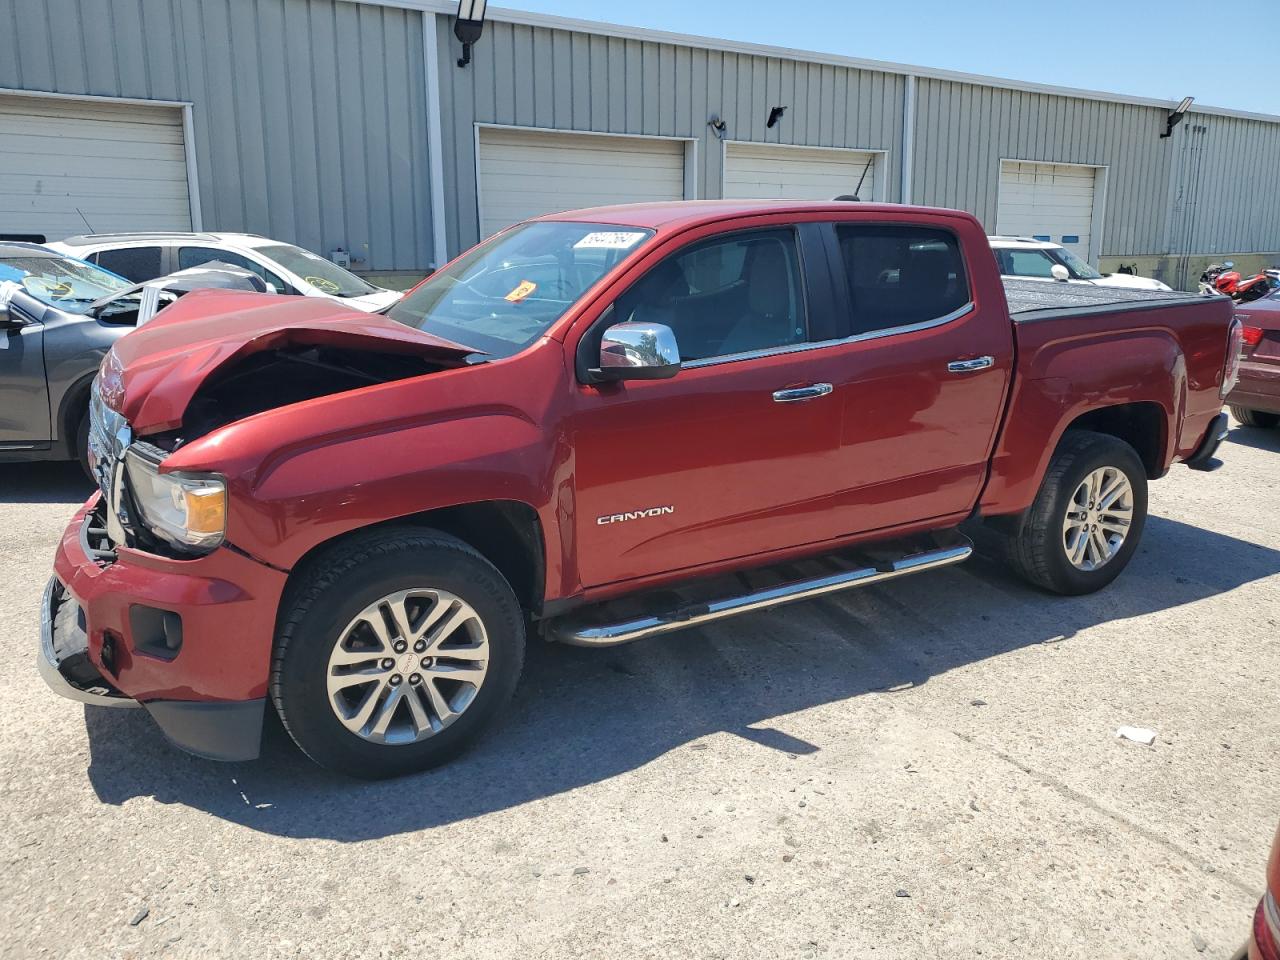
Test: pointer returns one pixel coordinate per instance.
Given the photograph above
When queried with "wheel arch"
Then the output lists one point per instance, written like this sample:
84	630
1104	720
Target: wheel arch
507	533
1144	425
72	405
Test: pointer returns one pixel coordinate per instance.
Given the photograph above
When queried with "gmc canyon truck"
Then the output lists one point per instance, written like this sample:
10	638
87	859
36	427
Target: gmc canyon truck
596	426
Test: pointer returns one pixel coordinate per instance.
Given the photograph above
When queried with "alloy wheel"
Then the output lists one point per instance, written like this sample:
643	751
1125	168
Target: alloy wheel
407	666
1098	518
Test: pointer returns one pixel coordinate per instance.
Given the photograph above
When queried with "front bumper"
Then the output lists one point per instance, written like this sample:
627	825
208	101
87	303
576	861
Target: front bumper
51	664
207	690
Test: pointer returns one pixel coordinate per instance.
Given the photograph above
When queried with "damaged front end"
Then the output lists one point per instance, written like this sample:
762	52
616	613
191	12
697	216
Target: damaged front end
292	374
214	359
151	602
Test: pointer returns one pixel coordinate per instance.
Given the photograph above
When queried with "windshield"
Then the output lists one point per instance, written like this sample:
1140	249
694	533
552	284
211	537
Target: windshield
324	275
1079	269
69	285
505	293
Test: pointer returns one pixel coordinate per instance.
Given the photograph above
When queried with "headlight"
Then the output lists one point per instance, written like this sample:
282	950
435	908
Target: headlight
186	509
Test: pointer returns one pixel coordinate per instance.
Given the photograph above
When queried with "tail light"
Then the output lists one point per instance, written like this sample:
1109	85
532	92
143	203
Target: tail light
1231	369
1250	336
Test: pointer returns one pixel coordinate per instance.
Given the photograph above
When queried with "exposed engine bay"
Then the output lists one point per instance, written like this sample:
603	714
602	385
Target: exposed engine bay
291	374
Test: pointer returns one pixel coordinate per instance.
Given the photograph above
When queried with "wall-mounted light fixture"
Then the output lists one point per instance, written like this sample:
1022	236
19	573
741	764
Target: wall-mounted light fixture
717	126
1176	116
468	26
775	115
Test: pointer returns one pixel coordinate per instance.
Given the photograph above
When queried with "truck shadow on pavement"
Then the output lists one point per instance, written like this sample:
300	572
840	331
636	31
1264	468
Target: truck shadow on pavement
583	716
48	482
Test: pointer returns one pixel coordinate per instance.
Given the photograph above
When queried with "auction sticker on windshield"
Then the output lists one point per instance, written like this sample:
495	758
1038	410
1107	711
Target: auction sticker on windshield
522	290
610	240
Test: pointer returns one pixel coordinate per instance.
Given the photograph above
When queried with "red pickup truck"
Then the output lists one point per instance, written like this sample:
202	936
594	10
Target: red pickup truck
596	426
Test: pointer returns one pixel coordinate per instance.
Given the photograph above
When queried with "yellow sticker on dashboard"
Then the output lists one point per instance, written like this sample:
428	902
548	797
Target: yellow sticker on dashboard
522	290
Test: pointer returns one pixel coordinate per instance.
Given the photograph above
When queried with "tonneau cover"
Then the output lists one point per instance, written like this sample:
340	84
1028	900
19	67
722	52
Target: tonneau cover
1042	299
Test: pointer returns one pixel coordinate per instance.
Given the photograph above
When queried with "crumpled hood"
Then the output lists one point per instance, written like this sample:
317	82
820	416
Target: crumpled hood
151	374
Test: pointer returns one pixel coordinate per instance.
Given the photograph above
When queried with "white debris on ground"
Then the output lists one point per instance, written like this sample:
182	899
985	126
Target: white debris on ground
1138	735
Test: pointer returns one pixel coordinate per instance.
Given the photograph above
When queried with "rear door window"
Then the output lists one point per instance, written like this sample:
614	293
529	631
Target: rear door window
899	276
138	264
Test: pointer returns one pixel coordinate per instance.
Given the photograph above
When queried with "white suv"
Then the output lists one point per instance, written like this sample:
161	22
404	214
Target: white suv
1030	259
285	268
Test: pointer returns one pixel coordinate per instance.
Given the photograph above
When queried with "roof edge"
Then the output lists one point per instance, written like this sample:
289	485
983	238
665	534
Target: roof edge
622	31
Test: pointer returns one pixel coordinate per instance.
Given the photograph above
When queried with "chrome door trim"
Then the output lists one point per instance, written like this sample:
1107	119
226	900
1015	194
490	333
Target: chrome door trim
821	344
970	366
795	394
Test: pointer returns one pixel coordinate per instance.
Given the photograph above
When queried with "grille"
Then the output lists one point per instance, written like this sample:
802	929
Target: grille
109	438
94	539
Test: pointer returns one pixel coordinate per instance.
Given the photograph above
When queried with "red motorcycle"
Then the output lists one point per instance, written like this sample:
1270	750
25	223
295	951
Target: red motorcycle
1223	278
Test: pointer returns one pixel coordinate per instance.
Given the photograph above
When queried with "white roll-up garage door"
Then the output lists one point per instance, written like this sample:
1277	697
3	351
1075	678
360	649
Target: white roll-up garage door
1049	201
526	173
80	166
759	171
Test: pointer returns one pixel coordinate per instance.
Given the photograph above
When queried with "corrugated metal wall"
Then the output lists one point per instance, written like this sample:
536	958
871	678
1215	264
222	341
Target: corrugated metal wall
1224	199
309	115
963	131
562	80
310	120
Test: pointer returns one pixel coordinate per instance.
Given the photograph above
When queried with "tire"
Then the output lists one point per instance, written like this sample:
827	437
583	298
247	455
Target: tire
1038	549
82	445
324	615
1254	418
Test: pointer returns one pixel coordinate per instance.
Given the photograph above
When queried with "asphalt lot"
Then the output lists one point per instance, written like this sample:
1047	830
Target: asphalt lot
927	768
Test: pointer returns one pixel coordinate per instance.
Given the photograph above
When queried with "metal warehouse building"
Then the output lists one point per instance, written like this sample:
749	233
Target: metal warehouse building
338	124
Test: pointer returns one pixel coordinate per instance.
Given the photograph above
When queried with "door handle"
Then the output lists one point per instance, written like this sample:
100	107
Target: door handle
969	366
792	394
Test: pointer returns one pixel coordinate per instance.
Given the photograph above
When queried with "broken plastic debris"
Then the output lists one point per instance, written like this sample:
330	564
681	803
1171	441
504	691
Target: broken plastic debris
1138	735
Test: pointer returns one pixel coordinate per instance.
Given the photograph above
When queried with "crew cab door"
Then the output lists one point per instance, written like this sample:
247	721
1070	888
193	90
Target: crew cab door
720	461
926	371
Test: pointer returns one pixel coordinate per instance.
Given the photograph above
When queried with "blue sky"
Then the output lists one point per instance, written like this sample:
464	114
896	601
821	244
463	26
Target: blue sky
1169	49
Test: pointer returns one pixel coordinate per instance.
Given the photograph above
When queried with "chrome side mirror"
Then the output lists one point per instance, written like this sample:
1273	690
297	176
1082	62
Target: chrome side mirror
1060	272
638	351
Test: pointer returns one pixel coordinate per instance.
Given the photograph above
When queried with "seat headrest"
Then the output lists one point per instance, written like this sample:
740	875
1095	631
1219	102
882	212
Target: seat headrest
926	272
768	278
664	283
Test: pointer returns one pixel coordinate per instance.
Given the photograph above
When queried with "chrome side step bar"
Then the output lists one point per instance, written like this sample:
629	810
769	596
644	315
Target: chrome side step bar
579	631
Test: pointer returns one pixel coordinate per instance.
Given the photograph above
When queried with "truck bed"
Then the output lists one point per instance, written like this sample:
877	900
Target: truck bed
1042	300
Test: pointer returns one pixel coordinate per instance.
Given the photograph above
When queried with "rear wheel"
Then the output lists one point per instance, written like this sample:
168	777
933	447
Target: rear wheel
396	652
1254	418
1087	518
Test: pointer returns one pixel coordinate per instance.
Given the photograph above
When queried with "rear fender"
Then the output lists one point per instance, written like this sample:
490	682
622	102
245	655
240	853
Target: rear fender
1070	380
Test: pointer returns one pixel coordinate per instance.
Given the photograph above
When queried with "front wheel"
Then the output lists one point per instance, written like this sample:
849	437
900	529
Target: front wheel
1254	418
1085	523
82	445
396	651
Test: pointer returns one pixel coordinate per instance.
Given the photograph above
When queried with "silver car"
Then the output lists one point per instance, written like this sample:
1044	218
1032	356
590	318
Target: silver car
58	316
51	343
